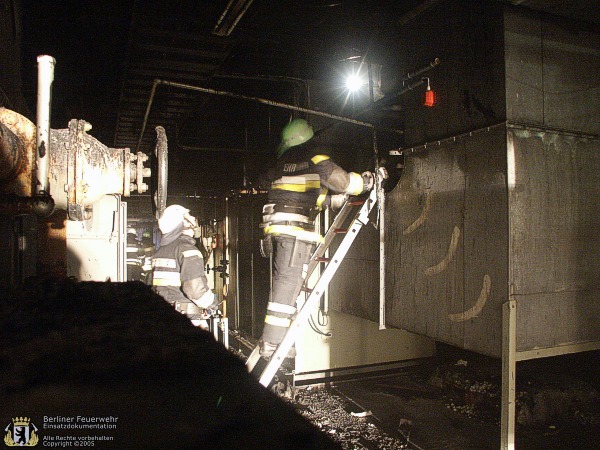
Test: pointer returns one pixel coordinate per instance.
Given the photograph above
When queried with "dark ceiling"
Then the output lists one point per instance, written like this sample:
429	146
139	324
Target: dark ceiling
110	54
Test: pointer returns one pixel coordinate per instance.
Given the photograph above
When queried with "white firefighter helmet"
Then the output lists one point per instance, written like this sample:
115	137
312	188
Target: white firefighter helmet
176	216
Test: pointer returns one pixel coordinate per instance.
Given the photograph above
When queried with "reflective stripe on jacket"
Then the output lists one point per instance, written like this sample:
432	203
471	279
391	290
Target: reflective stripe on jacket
297	232
175	264
303	178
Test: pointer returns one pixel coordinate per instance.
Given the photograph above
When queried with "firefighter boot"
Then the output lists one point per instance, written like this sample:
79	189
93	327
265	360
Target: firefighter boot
266	349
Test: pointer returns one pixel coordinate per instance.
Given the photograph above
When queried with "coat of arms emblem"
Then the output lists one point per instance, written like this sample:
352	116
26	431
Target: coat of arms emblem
21	433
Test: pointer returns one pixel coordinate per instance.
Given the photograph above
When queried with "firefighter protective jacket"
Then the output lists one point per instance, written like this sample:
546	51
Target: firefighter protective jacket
298	185
178	273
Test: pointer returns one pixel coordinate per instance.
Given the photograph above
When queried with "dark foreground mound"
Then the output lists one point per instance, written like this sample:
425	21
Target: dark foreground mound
111	365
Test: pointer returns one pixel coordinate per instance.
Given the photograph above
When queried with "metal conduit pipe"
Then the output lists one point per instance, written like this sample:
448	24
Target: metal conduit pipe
382	255
45	79
299	81
230	17
436	62
279	105
147	113
256	99
380	213
391	98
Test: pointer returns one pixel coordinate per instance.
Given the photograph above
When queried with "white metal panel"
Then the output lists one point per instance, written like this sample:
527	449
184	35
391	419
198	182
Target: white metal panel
96	246
354	342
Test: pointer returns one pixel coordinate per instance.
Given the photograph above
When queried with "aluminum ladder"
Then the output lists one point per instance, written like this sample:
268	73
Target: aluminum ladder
360	219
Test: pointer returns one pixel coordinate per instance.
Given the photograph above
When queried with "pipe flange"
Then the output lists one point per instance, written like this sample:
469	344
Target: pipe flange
141	159
127	156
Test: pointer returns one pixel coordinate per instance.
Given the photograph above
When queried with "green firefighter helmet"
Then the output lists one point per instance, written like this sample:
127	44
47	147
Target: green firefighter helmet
297	132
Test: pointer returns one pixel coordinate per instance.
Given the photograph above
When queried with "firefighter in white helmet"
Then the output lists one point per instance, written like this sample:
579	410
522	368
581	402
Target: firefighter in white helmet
177	266
299	185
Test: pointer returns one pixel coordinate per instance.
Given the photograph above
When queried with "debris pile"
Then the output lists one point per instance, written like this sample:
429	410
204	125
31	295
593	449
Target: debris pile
343	422
547	392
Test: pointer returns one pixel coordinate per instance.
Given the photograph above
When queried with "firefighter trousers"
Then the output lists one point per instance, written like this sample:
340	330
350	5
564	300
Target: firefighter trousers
290	255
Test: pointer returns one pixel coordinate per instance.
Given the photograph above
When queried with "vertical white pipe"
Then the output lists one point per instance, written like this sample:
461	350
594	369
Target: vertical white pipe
327	220
44	98
380	212
382	258
509	374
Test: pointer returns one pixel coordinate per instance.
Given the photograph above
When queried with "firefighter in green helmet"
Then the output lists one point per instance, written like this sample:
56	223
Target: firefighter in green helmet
299	185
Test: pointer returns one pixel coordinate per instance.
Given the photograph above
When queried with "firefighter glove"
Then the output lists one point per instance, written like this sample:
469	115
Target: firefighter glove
368	181
337	201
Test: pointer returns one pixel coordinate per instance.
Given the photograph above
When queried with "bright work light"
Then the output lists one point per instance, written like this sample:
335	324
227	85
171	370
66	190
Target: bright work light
354	82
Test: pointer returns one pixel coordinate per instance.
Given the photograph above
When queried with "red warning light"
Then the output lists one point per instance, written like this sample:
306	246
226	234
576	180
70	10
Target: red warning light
429	99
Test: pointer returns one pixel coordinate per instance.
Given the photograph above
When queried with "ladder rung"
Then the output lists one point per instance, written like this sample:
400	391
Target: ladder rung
356	203
306	289
340	230
322	259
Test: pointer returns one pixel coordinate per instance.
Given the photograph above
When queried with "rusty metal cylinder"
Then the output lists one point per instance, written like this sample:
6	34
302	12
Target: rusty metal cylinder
80	170
12	155
17	153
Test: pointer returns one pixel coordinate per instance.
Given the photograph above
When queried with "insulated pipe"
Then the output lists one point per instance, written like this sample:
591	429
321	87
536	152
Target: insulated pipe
45	79
417	11
391	98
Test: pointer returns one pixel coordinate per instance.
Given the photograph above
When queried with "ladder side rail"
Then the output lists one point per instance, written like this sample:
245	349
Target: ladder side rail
253	359
302	316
